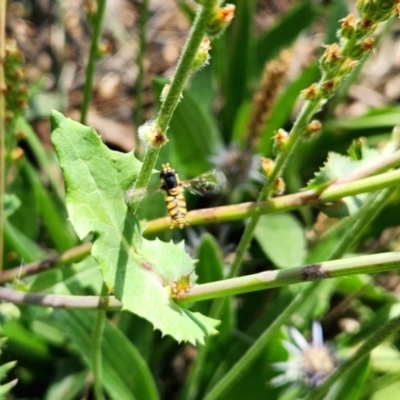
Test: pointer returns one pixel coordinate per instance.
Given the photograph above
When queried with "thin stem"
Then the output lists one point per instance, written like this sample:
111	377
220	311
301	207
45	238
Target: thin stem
231	213
2	125
93	57
246	361
72	255
279	204
109	303
178	83
265	280
375	340
299	127
366	215
138	113
277	278
97	350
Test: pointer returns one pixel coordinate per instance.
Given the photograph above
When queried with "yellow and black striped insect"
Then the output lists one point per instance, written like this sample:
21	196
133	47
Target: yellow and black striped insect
174	200
204	184
207	183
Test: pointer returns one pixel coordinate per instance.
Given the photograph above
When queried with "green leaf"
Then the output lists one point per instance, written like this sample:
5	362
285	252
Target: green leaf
5	368
142	273
68	387
282	239
11	203
388	392
351	386
6	388
338	166
120	381
27	250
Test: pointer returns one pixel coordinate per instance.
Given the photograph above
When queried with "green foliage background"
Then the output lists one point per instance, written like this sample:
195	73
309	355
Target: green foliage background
54	347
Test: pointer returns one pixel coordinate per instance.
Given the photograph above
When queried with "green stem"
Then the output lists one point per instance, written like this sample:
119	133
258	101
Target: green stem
93	56
72	255
369	264
276	278
181	76
375	340
2	125
138	114
97	350
361	223
299	127
258	347
280	204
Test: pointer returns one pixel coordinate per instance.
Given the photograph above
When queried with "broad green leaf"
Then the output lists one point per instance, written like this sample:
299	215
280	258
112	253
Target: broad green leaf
282	239
142	273
125	373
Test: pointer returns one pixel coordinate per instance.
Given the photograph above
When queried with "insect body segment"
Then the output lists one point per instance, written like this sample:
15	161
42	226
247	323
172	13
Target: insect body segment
175	200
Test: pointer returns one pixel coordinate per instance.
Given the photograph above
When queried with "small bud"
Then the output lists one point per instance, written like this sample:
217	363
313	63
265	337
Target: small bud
202	56
377	11
279	186
348	26
328	87
367	44
19	134
267	165
355	151
331	57
365	27
17	154
221	18
348	66
104	48
91	7
311	93
181	285
314	127
151	135
280	140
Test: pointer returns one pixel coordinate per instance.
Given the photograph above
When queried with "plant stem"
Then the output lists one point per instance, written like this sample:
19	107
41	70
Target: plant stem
265	280
279	204
138	114
271	279
179	80
93	56
231	213
97	350
300	125
109	303
246	361
2	125
72	255
361	222
375	340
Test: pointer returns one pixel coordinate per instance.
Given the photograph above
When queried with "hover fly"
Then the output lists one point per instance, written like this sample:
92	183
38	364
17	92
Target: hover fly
208	183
